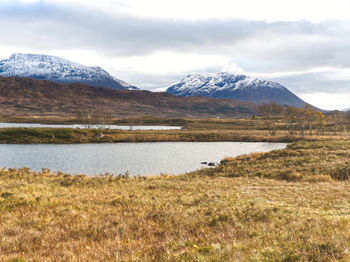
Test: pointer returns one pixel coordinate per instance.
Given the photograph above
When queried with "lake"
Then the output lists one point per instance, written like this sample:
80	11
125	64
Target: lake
136	158
32	125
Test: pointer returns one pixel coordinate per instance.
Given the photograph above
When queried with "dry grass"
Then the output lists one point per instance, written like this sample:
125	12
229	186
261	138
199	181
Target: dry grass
192	217
322	160
68	135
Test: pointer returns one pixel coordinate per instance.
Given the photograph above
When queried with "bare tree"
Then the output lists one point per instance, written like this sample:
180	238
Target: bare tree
290	114
301	119
270	113
86	115
321	123
338	122
310	117
103	118
347	121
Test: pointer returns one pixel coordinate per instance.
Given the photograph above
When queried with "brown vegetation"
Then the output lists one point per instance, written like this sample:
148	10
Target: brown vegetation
29	97
287	128
315	161
231	213
285	205
68	135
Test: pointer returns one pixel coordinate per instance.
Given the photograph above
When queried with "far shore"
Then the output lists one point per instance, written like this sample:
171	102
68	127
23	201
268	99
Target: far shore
76	136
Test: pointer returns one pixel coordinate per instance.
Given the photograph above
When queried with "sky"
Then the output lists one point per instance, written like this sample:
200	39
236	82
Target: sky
302	44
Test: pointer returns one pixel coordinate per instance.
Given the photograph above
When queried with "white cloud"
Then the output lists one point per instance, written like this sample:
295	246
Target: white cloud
268	10
328	101
172	62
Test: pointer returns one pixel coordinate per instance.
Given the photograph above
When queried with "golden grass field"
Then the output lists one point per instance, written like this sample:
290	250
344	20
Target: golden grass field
286	205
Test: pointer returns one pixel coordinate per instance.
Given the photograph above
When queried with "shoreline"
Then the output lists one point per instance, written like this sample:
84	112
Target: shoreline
83	136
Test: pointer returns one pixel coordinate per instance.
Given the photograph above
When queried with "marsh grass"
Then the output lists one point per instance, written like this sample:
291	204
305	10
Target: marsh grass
318	161
194	130
235	212
68	135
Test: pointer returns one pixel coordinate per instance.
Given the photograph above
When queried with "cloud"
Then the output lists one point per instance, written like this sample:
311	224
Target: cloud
254	44
328	101
194	10
315	82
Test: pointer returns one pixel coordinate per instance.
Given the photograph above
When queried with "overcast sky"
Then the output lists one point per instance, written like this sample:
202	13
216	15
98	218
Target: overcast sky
302	44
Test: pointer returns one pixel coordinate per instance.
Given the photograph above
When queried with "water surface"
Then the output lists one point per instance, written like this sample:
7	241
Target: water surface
136	158
34	125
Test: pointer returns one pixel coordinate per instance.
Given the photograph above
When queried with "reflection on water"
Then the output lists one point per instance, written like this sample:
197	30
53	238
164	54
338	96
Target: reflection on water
136	158
29	125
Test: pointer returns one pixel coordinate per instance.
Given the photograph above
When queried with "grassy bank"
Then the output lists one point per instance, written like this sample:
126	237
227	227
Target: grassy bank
313	161
252	129
235	212
146	120
66	136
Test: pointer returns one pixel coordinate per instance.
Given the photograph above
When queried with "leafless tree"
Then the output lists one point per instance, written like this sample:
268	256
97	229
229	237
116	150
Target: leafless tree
103	118
310	117
321	123
86	115
290	115
270	113
339	122
301	120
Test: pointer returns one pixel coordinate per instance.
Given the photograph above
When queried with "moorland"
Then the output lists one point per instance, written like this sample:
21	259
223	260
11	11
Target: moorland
285	205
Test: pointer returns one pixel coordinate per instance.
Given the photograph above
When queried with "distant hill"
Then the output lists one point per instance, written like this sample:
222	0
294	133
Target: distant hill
231	86
26	96
56	69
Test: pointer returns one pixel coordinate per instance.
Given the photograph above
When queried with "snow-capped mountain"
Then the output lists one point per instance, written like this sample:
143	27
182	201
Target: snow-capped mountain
125	84
239	87
56	69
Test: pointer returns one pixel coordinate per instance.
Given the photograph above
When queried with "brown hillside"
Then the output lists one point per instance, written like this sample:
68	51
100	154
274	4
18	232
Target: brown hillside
27	97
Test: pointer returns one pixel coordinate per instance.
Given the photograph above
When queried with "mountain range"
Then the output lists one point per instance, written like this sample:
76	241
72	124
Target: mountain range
56	69
231	86
22	96
213	85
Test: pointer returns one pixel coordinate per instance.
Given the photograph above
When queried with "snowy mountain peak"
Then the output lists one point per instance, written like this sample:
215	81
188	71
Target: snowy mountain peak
212	82
53	68
125	84
234	86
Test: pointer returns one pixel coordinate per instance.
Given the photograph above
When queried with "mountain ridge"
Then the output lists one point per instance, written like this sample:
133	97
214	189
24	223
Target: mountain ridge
57	69
20	96
232	86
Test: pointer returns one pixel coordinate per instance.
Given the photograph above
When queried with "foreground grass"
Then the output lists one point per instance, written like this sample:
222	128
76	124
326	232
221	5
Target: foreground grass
201	216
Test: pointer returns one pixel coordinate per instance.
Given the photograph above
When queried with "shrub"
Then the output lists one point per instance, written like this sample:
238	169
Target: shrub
341	172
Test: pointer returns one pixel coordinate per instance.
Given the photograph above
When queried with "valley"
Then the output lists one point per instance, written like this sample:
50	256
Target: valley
214	179
174	131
